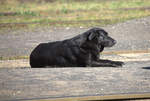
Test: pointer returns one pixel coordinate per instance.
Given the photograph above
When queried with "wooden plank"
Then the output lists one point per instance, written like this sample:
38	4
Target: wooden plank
82	83
102	98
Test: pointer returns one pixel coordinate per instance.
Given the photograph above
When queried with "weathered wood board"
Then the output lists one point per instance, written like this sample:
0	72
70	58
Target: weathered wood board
43	83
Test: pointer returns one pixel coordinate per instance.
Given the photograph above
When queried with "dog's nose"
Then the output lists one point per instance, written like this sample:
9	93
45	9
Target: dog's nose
114	41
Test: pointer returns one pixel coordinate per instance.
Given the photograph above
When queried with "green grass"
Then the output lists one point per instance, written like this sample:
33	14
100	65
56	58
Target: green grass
71	12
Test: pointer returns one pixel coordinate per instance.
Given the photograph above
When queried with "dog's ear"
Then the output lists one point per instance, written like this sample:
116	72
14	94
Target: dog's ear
82	38
92	35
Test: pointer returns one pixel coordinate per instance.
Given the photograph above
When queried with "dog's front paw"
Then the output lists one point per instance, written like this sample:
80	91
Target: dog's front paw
118	64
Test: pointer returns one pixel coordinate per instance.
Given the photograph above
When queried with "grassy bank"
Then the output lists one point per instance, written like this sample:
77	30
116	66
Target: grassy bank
24	13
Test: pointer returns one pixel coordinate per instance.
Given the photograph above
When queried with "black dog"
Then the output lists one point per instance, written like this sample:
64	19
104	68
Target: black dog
80	51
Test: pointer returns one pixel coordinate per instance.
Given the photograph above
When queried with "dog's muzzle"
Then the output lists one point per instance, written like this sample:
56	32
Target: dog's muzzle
109	43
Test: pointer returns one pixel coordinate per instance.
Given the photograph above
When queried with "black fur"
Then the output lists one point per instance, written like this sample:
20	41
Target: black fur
80	51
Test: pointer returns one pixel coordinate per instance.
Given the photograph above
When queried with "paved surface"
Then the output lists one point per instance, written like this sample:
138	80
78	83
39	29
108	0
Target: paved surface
131	35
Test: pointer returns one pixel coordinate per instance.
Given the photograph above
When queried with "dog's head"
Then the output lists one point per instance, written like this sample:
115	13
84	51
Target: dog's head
100	37
95	36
